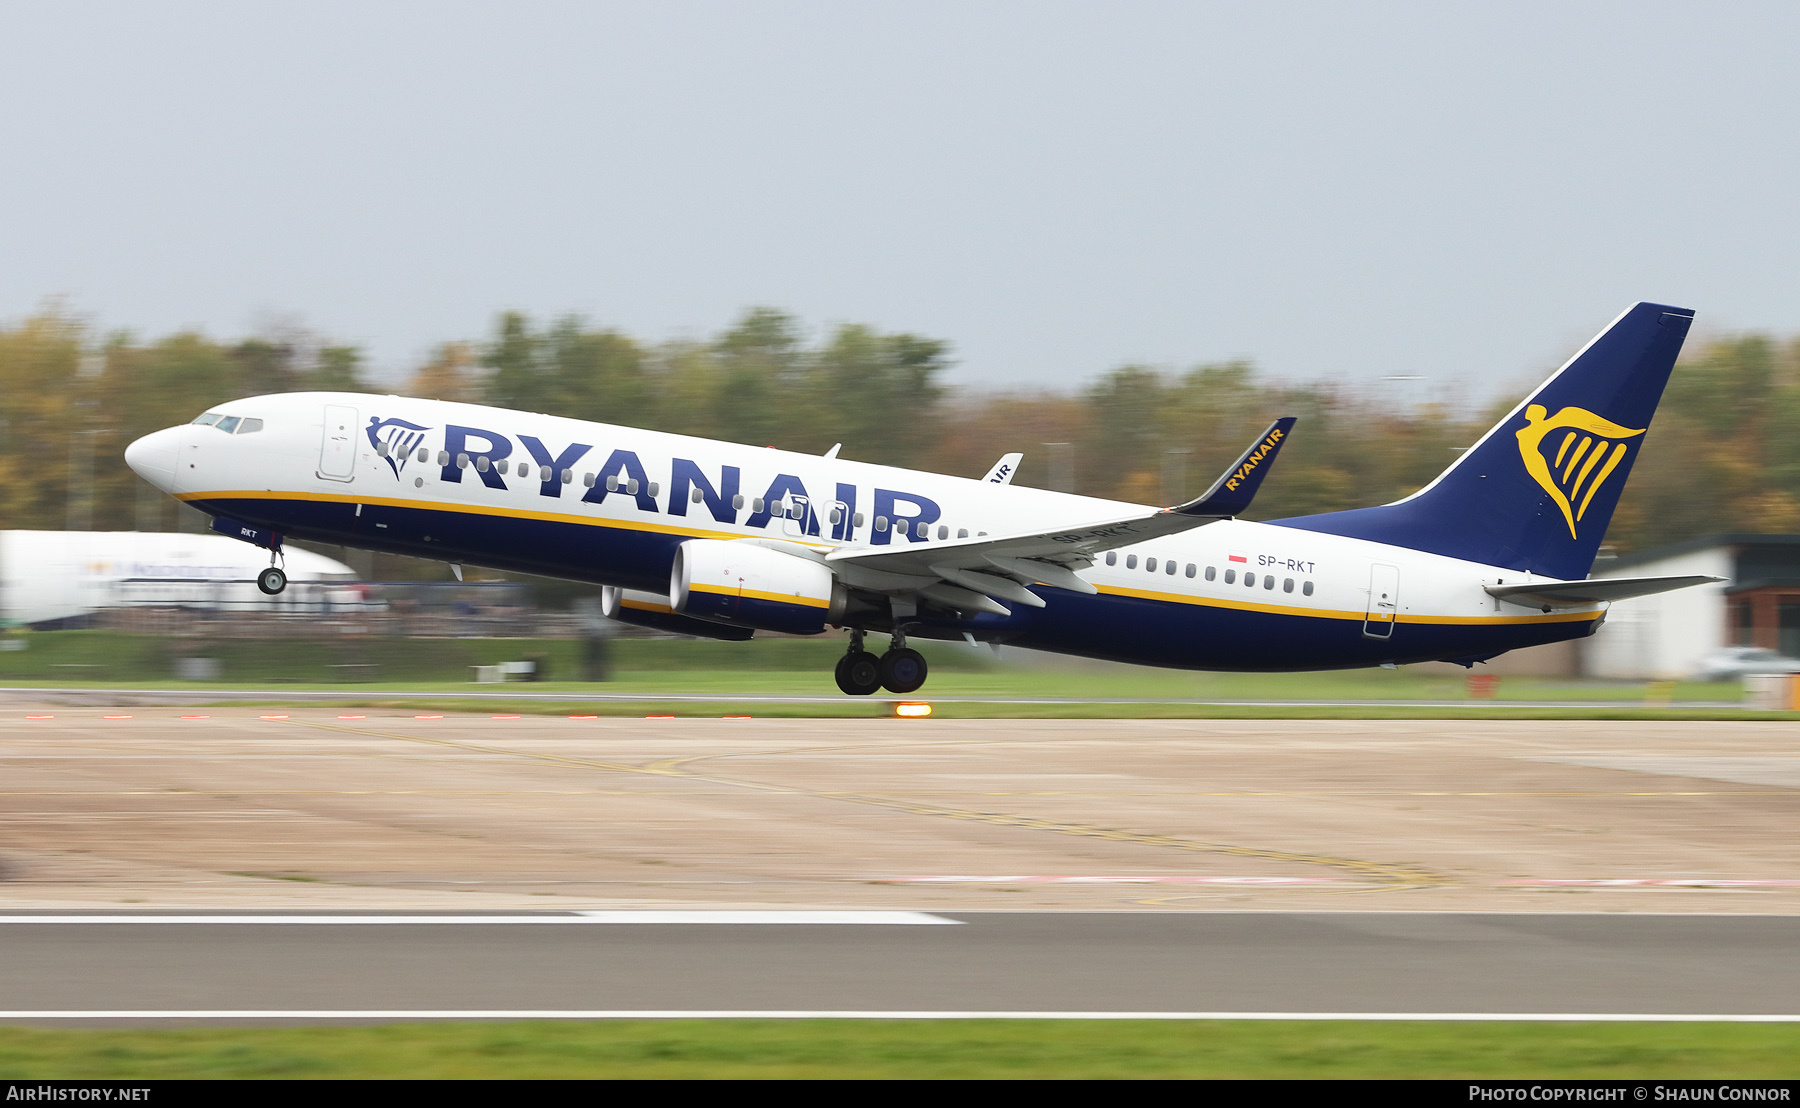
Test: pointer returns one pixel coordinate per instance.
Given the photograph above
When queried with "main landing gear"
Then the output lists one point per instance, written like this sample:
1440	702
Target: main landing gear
900	670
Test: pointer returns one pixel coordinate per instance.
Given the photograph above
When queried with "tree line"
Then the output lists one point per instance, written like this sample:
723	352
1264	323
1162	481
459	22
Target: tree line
1723	454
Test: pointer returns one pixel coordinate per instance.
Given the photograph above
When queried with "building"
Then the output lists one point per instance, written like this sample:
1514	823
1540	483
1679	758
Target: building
1667	636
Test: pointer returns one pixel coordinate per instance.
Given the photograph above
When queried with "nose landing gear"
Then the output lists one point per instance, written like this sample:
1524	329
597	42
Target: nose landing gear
900	670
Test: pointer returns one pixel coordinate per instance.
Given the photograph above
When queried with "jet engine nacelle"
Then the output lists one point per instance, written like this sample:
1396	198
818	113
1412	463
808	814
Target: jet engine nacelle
650	609
753	586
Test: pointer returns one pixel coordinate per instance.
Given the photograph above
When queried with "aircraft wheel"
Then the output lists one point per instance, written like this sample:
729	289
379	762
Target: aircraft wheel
272	580
859	673
902	670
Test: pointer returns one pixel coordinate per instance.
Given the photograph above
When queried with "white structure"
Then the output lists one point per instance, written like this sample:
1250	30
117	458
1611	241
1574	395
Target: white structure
56	575
1666	636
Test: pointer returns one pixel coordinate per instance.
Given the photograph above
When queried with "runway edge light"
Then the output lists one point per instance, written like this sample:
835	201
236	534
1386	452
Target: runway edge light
911	709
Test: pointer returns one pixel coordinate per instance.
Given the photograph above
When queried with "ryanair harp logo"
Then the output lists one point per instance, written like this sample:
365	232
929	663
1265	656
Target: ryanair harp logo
1573	465
393	440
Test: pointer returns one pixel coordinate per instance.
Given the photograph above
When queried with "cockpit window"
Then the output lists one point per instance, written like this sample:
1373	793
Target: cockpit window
228	424
207	420
249	425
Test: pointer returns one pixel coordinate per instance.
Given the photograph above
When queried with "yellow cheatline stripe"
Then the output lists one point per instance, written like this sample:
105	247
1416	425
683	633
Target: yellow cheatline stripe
1327	613
643	607
481	510
777	597
634	525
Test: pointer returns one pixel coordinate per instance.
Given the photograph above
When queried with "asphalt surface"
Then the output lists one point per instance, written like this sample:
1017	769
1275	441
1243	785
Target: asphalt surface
1249	963
276	694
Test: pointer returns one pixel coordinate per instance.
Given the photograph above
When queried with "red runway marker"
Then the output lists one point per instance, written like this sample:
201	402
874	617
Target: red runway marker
584	717
40	717
428	717
734	717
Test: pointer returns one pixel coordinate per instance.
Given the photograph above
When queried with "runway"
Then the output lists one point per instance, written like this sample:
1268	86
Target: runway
1244	965
380	810
322	861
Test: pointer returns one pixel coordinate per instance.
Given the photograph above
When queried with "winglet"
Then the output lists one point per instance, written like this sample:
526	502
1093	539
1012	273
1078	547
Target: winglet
1236	487
1002	473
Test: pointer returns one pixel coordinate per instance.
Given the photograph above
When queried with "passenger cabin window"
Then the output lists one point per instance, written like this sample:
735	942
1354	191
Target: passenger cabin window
900	526
228	424
1191	569
881	523
962	532
1211	573
1150	565
943	532
1268	580
696	496
856	520
1169	567
524	469
1231	577
500	466
1250	580
1112	557
1306	589
1287	585
424	453
1131	561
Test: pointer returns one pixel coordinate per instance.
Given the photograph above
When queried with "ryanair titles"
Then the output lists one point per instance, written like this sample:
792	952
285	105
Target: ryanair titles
491	457
1253	459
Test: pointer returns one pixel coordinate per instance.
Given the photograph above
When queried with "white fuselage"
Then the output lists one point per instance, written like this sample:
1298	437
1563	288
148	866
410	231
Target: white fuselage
425	478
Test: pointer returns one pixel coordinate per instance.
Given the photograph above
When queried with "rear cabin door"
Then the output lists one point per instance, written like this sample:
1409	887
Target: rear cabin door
337	450
1384	601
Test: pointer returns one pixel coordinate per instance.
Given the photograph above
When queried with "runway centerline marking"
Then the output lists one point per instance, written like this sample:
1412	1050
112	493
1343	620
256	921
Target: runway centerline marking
661	917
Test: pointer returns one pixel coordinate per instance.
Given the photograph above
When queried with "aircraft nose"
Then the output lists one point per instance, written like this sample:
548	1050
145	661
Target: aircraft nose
153	457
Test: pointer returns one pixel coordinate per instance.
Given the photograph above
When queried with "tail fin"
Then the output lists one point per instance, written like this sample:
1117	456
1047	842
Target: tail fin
1537	492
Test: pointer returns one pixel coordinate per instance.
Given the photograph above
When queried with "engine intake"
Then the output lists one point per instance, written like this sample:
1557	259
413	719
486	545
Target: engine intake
753	586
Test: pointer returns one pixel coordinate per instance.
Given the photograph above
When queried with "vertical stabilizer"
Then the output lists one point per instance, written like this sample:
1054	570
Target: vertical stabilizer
1537	492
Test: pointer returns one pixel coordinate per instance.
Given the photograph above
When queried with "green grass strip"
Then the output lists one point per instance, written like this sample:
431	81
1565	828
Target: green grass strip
737	1048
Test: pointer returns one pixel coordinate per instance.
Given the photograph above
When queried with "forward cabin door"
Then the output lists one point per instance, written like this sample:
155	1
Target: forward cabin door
337	450
1384	601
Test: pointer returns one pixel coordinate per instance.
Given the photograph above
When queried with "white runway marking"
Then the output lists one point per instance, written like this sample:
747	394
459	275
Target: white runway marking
648	916
800	1014
1042	879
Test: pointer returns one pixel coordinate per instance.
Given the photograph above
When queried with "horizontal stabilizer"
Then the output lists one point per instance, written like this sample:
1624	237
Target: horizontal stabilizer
1577	594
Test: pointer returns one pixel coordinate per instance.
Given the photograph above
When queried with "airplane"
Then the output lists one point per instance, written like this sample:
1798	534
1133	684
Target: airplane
50	579
722	540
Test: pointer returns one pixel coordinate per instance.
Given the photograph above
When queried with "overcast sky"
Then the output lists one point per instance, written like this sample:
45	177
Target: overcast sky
1337	191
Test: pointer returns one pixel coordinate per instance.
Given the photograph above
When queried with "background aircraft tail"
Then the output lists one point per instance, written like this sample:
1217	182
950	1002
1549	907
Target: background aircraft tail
1538	490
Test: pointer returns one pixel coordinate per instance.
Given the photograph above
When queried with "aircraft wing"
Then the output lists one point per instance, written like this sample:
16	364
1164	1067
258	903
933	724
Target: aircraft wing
1576	594
968	573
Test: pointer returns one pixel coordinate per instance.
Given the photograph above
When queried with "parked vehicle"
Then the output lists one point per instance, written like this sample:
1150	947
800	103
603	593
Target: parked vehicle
1733	662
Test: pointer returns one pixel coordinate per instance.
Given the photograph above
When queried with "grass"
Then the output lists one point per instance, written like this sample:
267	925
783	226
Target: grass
733	1048
790	667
